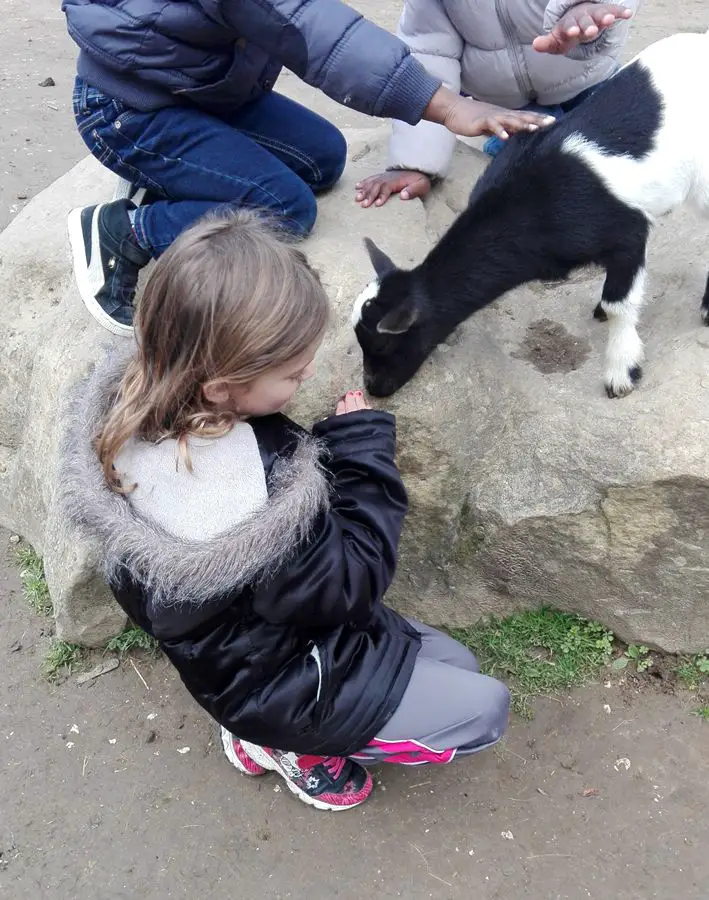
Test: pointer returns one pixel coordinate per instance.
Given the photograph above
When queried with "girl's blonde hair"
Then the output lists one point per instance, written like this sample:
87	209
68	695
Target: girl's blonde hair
229	300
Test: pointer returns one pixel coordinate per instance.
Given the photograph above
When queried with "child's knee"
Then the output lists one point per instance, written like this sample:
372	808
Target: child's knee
492	709
334	159
301	211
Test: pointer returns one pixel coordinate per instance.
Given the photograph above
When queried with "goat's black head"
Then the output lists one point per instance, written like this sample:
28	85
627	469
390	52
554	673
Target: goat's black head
389	319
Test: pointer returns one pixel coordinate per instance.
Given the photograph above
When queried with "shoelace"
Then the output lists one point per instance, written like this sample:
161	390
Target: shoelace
335	765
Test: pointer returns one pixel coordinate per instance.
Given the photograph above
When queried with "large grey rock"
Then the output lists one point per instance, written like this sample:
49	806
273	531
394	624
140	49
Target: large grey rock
527	485
49	341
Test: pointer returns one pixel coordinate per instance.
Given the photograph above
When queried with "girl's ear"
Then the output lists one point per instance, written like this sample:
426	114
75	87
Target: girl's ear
216	392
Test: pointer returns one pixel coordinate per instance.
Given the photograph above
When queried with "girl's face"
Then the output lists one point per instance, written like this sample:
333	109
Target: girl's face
273	391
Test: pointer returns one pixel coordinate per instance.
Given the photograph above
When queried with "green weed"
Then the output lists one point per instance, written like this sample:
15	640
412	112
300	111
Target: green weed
538	651
59	657
638	654
692	670
133	639
34	584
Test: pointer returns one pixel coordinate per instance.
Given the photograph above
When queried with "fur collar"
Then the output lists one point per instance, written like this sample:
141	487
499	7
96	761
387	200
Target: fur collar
173	571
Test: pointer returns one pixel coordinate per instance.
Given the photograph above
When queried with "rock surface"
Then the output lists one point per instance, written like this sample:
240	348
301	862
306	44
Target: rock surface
527	485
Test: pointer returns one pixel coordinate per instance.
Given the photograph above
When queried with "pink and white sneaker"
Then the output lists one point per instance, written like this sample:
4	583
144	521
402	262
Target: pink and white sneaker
237	756
325	782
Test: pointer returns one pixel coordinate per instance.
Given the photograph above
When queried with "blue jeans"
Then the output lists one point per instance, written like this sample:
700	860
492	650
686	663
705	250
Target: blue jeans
273	155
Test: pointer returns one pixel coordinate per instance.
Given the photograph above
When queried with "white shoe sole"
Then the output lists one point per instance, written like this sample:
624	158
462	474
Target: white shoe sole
228	746
83	282
259	755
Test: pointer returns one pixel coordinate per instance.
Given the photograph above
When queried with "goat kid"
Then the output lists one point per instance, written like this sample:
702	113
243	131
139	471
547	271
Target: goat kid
585	190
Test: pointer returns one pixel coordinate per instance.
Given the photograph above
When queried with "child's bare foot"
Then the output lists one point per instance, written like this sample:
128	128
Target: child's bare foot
351	402
378	188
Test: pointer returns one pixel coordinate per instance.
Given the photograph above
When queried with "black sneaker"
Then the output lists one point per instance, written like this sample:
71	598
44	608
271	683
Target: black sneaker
107	261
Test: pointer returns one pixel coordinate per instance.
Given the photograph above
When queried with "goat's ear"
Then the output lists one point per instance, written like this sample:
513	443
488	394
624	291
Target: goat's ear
400	319
381	262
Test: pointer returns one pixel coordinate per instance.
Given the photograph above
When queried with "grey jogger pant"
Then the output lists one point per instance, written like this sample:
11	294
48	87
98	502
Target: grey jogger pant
448	709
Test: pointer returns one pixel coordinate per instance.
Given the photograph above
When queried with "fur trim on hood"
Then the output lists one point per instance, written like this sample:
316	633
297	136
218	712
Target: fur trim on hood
174	571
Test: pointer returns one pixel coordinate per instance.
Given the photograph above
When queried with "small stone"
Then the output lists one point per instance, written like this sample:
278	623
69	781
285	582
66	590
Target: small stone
507	835
622	763
15	539
150	739
22	196
183	750
48	82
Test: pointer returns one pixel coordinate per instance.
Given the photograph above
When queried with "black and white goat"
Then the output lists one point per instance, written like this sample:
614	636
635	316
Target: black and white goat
586	190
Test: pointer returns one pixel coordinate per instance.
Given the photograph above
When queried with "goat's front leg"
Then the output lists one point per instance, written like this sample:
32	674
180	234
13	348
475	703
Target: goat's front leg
623	296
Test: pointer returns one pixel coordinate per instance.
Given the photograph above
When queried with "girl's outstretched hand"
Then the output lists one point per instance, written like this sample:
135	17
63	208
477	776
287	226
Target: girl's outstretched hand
351	402
581	24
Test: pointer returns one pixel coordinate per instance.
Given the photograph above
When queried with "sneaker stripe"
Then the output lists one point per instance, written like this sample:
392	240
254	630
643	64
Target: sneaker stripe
94	274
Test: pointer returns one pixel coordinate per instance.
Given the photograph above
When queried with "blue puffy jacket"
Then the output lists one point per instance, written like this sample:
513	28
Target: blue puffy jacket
220	54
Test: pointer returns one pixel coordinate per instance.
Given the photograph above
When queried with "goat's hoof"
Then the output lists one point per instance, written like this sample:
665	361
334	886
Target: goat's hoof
625	387
600	314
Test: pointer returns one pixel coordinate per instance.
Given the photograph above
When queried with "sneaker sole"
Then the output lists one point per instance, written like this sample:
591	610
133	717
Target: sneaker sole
83	282
259	756
232	757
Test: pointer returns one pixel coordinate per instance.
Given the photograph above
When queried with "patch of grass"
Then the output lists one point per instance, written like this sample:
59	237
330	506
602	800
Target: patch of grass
538	651
702	712
692	670
133	639
34	584
60	657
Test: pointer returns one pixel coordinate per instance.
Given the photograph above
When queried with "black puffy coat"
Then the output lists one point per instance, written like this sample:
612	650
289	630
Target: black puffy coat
277	627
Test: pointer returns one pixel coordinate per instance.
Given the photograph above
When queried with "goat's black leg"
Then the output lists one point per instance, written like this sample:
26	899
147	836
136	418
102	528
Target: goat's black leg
623	296
705	304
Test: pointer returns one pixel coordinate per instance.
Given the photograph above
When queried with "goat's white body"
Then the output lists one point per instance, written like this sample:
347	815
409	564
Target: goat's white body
677	169
674	172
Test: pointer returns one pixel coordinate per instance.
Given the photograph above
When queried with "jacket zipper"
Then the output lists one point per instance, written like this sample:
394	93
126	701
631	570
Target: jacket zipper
514	49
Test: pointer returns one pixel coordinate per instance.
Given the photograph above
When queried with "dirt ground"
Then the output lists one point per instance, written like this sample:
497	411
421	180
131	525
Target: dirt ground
603	795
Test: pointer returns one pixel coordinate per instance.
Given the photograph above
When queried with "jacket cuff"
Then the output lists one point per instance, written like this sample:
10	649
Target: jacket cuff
353	422
409	93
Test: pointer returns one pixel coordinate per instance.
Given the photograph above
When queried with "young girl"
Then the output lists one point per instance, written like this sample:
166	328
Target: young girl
544	56
258	554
